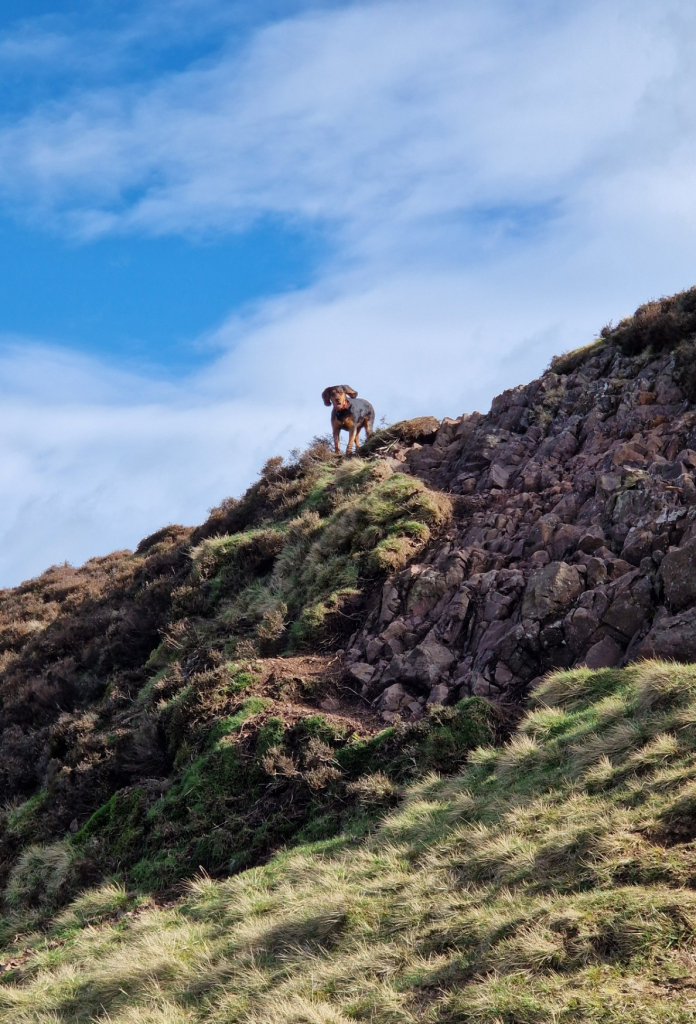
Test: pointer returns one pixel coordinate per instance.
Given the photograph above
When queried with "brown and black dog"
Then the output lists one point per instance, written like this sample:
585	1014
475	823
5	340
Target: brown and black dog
349	413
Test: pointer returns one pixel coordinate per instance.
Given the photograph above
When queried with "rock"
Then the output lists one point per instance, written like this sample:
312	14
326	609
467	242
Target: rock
503	676
604	654
438	694
591	539
390	602
552	591
678	575
500	476
393	697
497	607
637	546
597	574
541	535
565	541
425	591
374	649
360	673
572	537
672	637
579	626
566	509
452	621
427	663
329	704
631	607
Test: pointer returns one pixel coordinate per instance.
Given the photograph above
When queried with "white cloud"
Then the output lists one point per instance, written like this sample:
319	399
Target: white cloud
497	182
374	116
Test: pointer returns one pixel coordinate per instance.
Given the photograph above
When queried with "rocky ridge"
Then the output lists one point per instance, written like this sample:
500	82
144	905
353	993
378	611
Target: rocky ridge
573	539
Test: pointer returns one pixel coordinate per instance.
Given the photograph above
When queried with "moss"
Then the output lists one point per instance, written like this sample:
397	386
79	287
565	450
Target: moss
441	743
259	782
225	726
231	562
297	583
24	822
240	680
118	826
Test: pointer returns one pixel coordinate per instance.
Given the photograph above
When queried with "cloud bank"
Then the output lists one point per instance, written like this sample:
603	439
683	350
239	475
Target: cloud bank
495	181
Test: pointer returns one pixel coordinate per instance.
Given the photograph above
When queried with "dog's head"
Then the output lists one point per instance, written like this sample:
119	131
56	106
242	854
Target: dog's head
338	396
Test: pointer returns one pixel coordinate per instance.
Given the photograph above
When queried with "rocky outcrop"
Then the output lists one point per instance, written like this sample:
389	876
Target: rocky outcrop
573	540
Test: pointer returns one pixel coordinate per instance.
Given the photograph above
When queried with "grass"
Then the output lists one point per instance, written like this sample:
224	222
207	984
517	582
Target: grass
148	756
287	584
245	783
551	880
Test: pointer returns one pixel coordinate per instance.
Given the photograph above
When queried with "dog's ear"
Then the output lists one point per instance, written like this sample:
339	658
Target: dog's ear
326	395
351	392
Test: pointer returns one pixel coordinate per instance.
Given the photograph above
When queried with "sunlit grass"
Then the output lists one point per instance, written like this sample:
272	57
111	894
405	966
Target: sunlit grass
552	880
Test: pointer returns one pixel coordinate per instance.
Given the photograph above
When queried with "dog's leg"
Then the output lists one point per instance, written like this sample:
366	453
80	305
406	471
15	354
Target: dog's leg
337	438
366	425
352	440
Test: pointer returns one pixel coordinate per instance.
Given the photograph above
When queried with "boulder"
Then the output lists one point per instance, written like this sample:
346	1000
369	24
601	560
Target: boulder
678	574
637	546
591	539
579	626
393	697
604	654
671	637
427	663
631	606
565	540
500	476
360	673
426	590
552	591
541	535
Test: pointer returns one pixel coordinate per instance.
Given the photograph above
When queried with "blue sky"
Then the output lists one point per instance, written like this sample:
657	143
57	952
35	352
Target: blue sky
141	298
211	210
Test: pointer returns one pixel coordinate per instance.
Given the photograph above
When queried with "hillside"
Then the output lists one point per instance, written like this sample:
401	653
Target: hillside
255	708
552	880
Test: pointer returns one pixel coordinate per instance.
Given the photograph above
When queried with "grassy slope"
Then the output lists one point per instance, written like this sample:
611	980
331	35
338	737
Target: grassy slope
153	758
554	879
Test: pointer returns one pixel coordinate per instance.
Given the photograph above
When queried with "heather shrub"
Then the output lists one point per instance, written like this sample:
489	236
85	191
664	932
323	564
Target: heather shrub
659	326
569	362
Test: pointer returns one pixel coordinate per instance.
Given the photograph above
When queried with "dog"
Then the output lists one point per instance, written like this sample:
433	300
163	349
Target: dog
349	413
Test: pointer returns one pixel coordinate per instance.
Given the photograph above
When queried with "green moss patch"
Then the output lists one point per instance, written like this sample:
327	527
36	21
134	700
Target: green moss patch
256	783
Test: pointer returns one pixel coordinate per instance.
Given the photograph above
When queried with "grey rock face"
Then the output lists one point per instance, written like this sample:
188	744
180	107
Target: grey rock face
605	653
678	573
552	591
572	542
672	637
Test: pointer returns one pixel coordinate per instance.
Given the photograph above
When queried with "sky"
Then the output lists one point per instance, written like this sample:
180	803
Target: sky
211	210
